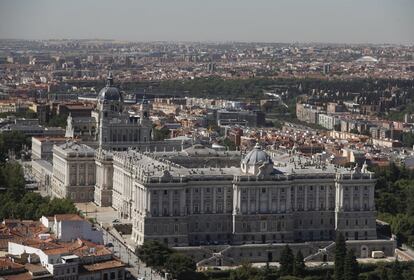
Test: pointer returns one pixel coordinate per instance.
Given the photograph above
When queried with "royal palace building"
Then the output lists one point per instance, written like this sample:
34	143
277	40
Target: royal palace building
257	202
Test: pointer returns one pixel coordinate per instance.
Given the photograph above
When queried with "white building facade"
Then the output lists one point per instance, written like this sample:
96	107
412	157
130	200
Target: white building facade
256	203
74	172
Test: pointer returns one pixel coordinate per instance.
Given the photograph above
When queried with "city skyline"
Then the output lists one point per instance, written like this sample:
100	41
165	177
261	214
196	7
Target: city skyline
372	21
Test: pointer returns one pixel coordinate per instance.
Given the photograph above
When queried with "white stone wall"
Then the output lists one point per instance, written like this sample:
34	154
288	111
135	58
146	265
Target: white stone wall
70	230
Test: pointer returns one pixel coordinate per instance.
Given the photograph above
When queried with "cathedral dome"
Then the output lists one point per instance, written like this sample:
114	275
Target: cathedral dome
109	92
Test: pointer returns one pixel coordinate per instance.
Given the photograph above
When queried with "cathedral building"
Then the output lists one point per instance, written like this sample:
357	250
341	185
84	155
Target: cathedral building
116	129
110	128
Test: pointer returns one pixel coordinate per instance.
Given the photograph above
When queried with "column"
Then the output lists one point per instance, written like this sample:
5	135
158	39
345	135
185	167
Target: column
278	200
225	199
160	210
327	198
361	197
269	200
239	198
305	198
248	201
136	199
142	200
139	199
170	200
371	198
149	202
257	200
182	202
236	199
214	199
351	200
191	201
77	174
296	198
202	200
317	198
86	176
146	200
288	199
68	169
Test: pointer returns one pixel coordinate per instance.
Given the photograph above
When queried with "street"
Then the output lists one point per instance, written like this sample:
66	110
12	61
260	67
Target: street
127	255
123	246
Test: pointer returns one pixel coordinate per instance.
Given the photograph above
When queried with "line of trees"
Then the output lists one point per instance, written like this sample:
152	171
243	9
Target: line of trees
163	259
16	202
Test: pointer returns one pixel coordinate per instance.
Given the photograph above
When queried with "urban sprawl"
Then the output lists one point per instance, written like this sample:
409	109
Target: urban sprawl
225	152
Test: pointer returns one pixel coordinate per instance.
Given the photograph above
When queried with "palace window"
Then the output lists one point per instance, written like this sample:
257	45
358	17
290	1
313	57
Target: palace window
263	226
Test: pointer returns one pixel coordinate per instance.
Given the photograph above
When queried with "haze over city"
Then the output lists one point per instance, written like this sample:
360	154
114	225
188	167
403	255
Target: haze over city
333	21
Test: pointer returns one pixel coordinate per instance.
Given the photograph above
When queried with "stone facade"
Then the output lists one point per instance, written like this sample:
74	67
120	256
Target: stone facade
110	127
73	172
104	180
257	203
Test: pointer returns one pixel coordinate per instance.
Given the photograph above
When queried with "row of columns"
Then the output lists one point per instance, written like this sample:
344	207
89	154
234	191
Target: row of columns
259	201
143	198
317	198
86	180
360	202
355	204
257	191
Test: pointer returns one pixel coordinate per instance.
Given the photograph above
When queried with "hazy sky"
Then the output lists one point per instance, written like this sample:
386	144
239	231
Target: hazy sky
343	21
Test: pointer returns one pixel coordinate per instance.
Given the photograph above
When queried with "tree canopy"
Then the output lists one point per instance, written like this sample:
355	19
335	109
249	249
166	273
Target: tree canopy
340	254
286	261
16	202
351	270
153	254
394	193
